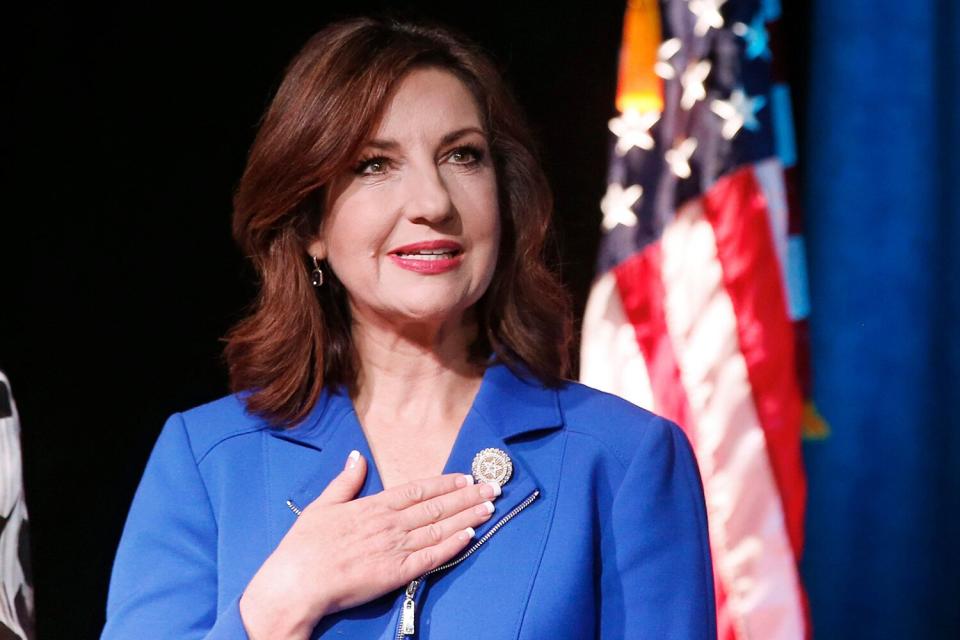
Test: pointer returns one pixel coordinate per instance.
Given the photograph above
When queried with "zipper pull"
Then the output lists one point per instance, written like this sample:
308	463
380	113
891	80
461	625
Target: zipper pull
409	611
406	624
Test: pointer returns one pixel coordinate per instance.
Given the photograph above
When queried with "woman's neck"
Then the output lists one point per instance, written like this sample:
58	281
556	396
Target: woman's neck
416	375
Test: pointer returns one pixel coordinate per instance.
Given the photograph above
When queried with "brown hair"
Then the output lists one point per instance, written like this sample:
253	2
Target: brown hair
297	338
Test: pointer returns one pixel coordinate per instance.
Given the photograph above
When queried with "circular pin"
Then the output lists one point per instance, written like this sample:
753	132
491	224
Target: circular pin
492	465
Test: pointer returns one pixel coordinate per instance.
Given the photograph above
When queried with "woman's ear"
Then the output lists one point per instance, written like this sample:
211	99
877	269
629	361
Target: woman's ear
317	248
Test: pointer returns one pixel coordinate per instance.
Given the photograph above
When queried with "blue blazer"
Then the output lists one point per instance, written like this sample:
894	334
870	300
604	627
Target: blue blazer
605	532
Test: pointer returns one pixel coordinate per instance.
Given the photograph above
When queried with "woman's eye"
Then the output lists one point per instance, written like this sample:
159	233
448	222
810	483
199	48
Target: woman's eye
466	155
371	166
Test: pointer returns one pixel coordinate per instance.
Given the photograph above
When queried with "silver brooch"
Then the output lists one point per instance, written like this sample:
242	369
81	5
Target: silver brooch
492	465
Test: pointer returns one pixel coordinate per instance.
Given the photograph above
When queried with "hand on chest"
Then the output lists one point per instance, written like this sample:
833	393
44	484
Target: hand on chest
501	560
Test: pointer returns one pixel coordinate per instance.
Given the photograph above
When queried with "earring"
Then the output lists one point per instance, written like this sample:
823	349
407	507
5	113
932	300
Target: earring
316	276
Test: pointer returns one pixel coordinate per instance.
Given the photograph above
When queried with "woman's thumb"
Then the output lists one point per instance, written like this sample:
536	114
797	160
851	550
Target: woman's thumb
347	483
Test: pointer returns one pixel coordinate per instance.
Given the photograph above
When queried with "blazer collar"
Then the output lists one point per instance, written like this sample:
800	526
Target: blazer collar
510	403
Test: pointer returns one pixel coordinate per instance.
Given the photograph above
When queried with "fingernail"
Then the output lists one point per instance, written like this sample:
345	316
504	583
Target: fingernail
467	533
352	459
485	508
469	478
494	490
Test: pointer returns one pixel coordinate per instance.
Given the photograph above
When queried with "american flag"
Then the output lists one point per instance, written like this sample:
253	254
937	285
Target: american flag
698	309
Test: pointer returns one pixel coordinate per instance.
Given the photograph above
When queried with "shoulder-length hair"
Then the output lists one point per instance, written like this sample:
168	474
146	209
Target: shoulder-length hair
297	339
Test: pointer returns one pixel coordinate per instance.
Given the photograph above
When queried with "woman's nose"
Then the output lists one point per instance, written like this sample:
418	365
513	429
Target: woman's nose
428	197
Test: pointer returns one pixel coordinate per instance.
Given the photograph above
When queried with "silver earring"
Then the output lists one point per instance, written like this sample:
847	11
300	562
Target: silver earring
316	276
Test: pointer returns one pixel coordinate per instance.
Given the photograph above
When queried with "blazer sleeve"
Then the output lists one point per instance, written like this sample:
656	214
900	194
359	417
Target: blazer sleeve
164	578
657	576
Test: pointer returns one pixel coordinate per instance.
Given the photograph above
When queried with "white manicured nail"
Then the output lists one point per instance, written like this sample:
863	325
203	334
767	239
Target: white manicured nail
495	487
469	478
485	507
467	533
352	459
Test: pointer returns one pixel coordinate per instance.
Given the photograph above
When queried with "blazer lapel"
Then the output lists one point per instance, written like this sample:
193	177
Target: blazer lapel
304	459
505	407
485	595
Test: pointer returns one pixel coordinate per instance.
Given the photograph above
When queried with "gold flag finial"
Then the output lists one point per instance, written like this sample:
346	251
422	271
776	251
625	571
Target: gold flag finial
638	87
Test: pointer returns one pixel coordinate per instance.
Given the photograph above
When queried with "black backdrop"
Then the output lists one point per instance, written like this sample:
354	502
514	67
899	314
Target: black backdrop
126	134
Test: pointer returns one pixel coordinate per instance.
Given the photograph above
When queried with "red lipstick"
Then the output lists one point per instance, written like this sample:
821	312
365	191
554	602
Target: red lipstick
429	257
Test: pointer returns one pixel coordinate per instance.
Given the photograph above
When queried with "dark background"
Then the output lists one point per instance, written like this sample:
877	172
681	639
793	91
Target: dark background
126	134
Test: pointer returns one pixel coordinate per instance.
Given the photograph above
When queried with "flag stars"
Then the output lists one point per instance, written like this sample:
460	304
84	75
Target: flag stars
664	66
738	111
632	129
678	158
617	205
708	15
755	36
692	83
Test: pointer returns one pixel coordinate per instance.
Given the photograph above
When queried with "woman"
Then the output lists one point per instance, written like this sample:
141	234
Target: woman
402	457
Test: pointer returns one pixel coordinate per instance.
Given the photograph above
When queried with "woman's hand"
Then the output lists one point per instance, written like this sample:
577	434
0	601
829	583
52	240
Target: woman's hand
342	552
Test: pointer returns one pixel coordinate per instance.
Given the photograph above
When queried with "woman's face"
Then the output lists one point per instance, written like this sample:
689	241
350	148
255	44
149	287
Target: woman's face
413	229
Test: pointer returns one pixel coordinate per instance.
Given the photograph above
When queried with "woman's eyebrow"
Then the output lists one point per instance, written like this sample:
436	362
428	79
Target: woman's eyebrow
459	133
388	144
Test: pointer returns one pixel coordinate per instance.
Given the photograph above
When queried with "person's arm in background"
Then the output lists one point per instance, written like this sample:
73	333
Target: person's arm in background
16	588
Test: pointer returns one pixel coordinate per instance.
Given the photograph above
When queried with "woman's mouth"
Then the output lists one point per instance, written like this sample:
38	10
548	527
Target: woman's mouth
435	254
430	257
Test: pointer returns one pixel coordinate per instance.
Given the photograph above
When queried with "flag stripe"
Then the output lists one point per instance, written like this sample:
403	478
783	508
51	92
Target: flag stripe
725	623
641	293
753	557
611	358
736	209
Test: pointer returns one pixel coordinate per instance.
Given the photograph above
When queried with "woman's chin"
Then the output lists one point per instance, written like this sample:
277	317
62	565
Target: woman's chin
429	315
437	316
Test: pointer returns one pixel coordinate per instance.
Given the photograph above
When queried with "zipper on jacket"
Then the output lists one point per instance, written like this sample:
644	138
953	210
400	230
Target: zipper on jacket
293	507
406	625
